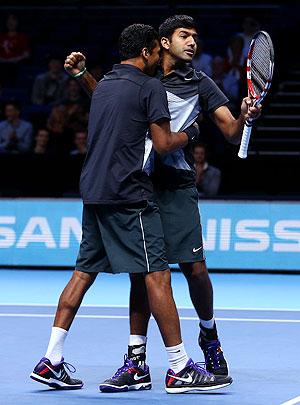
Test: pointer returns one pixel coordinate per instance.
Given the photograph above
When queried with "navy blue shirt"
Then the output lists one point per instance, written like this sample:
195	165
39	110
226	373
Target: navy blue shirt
116	169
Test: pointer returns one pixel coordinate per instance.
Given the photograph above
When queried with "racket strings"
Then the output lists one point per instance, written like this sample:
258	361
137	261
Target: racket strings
260	64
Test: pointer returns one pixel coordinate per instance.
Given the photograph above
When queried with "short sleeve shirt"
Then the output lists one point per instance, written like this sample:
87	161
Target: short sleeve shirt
124	104
189	93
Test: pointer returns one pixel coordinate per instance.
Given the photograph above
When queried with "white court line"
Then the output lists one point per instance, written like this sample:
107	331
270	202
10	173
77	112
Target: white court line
292	401
183	318
126	307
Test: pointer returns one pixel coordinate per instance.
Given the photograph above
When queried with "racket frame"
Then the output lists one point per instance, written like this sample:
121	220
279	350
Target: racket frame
251	92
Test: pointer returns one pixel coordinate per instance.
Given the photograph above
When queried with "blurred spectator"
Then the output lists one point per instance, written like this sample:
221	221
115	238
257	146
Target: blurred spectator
202	61
15	134
239	45
208	177
80	142
236	63
227	81
250	28
71	111
42	139
50	86
14	48
68	115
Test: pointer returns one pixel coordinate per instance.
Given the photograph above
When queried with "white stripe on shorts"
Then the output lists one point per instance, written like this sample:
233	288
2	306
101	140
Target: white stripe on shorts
145	248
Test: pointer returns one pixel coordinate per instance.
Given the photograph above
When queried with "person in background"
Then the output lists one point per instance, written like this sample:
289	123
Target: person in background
250	27
15	133
67	116
208	178
14	49
50	86
42	139
227	81
202	61
80	143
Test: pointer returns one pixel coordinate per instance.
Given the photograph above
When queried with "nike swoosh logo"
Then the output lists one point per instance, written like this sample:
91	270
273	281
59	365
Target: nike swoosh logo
57	375
196	250
189	379
137	378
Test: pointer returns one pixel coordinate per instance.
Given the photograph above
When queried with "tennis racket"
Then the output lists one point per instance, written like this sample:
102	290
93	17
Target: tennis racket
260	65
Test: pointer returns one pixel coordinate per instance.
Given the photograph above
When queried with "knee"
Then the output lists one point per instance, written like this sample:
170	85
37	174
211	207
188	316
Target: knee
82	279
160	280
197	270
137	281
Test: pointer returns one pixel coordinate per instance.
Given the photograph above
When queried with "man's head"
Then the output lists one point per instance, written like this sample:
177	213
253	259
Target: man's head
55	65
178	36
199	153
250	26
12	111
80	140
140	42
73	88
42	137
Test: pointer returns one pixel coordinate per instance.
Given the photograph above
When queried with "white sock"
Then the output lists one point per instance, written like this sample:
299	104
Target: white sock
208	324
135	340
177	357
56	345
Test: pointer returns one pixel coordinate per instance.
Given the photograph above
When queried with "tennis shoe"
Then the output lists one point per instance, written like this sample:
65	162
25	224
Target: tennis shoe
127	378
55	376
213	354
194	378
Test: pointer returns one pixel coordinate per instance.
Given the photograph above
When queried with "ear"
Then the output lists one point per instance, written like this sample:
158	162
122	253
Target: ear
165	42
145	53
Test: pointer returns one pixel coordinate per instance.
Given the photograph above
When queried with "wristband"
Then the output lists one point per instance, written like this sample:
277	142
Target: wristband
78	74
192	133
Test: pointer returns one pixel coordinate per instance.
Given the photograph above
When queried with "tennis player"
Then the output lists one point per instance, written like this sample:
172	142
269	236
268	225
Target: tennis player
121	226
189	93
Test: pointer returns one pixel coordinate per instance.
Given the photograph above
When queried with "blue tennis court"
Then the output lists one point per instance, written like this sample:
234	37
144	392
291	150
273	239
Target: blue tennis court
258	320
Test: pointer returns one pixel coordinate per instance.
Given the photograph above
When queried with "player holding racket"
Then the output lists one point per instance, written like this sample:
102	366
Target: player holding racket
189	93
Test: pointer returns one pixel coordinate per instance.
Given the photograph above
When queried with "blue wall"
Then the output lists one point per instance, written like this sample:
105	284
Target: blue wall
237	235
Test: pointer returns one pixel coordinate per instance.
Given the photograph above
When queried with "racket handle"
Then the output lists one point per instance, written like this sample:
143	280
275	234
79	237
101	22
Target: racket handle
245	141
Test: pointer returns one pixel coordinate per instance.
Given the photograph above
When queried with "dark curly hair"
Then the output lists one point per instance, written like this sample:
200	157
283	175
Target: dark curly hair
167	28
136	37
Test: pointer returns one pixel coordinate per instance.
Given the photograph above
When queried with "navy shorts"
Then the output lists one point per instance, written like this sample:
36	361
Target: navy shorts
122	239
181	222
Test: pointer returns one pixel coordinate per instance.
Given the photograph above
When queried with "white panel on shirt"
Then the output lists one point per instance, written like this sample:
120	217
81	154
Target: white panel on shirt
183	114
148	155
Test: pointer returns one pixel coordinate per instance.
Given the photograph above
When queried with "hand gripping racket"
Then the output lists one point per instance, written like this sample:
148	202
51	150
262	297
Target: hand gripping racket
260	65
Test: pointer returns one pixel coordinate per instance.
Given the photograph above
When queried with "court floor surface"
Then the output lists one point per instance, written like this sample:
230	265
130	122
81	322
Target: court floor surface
258	319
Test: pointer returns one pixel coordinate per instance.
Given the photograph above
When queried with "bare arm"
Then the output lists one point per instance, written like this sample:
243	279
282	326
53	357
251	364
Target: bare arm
165	141
231	127
74	65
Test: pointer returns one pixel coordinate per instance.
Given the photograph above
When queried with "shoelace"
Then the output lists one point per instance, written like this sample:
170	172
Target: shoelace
200	368
213	354
122	369
69	366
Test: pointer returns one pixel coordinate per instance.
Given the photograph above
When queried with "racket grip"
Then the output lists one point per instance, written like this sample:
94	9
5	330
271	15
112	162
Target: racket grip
245	141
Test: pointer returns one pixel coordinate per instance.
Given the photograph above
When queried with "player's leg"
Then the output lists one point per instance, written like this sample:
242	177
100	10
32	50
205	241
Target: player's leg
146	242
183	236
139	315
71	298
201	293
51	369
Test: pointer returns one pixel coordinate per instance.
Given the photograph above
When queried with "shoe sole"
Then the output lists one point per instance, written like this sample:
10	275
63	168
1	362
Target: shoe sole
51	382
181	390
125	388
